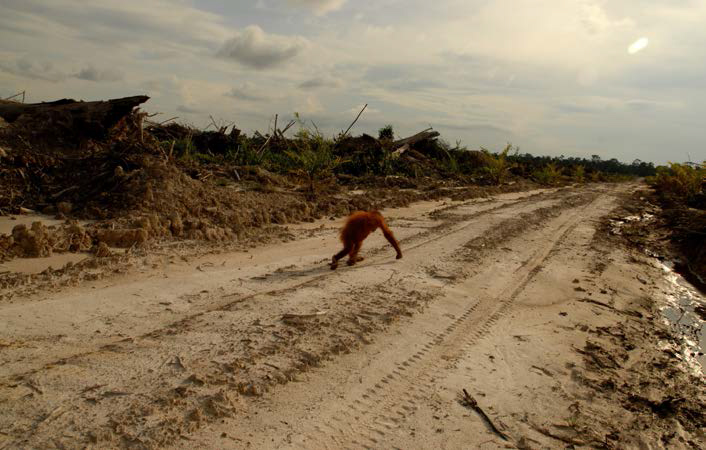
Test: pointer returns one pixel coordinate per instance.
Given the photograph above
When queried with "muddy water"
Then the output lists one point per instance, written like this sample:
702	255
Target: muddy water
38	265
683	305
681	310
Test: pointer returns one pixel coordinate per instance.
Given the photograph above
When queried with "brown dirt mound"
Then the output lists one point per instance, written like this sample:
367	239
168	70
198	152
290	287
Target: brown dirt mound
39	240
134	191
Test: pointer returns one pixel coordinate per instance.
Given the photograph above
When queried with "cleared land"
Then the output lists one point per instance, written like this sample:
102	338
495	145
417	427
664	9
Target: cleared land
521	299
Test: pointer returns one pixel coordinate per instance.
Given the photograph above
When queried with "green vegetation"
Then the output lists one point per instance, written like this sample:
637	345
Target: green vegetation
386	133
247	154
497	165
313	158
529	163
681	191
679	181
549	175
186	151
578	174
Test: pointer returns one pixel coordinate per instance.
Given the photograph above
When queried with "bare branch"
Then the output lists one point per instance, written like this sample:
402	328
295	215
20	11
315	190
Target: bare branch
356	119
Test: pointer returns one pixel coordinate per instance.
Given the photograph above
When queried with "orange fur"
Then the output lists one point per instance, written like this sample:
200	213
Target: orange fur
358	226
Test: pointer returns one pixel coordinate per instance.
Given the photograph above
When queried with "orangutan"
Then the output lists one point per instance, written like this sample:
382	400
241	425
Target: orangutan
358	226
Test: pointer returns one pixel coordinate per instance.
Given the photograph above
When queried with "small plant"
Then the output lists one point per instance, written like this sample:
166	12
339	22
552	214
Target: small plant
451	164
312	157
183	148
595	176
245	154
497	166
386	133
680	181
548	176
578	174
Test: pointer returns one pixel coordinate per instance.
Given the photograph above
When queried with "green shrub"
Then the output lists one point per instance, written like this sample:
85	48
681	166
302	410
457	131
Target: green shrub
386	133
312	157
679	181
578	174
595	176
181	148
497	166
185	150
450	164
548	176
251	153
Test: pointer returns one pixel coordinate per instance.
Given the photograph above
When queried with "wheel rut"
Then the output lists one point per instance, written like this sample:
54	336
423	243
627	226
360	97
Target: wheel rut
230	301
371	418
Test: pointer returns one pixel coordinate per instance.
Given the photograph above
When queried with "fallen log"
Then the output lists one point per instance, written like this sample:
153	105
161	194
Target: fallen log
421	136
90	119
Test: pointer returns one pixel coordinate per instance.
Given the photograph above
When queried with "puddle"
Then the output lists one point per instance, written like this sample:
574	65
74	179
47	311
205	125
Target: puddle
37	265
684	305
684	312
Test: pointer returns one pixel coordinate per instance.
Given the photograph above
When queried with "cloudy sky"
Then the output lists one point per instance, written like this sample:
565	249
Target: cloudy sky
554	77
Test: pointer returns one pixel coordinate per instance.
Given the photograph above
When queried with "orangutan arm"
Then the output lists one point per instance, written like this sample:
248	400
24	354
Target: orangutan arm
390	238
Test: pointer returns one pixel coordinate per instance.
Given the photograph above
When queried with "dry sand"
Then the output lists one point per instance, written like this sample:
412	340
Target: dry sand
520	299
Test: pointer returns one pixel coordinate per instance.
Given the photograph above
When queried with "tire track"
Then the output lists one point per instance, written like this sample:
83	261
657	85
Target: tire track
170	328
129	353
370	418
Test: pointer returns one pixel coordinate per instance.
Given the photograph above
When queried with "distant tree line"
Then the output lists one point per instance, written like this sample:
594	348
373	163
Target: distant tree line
526	163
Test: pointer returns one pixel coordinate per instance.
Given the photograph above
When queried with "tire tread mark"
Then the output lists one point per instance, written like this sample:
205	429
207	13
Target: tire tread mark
466	333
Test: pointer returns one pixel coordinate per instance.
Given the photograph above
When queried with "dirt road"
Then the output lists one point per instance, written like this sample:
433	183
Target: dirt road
516	299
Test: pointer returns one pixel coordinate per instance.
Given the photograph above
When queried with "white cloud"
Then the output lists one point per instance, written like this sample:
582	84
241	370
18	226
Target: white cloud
254	48
116	23
249	92
311	105
323	81
91	73
319	7
356	109
34	70
554	76
189	109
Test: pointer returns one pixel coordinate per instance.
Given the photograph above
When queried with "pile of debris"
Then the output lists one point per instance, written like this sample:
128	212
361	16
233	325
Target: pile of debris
68	151
214	142
417	157
106	163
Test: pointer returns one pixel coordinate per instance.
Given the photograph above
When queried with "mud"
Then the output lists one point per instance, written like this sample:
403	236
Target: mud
526	300
123	192
240	220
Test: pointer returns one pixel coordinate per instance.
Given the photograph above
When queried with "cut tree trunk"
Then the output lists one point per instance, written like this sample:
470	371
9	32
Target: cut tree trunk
421	136
88	119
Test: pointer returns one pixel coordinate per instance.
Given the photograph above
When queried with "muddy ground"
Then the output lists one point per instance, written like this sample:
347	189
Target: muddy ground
48	250
526	300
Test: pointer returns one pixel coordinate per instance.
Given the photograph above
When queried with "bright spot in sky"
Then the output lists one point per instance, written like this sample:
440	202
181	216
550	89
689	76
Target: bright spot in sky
638	45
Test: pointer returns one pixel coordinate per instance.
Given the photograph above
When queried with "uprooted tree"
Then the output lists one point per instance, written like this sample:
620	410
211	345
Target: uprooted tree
67	119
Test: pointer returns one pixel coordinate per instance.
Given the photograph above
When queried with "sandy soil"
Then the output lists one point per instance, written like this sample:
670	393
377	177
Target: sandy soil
521	299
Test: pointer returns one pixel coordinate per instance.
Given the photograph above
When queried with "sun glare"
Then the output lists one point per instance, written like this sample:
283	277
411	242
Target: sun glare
638	45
